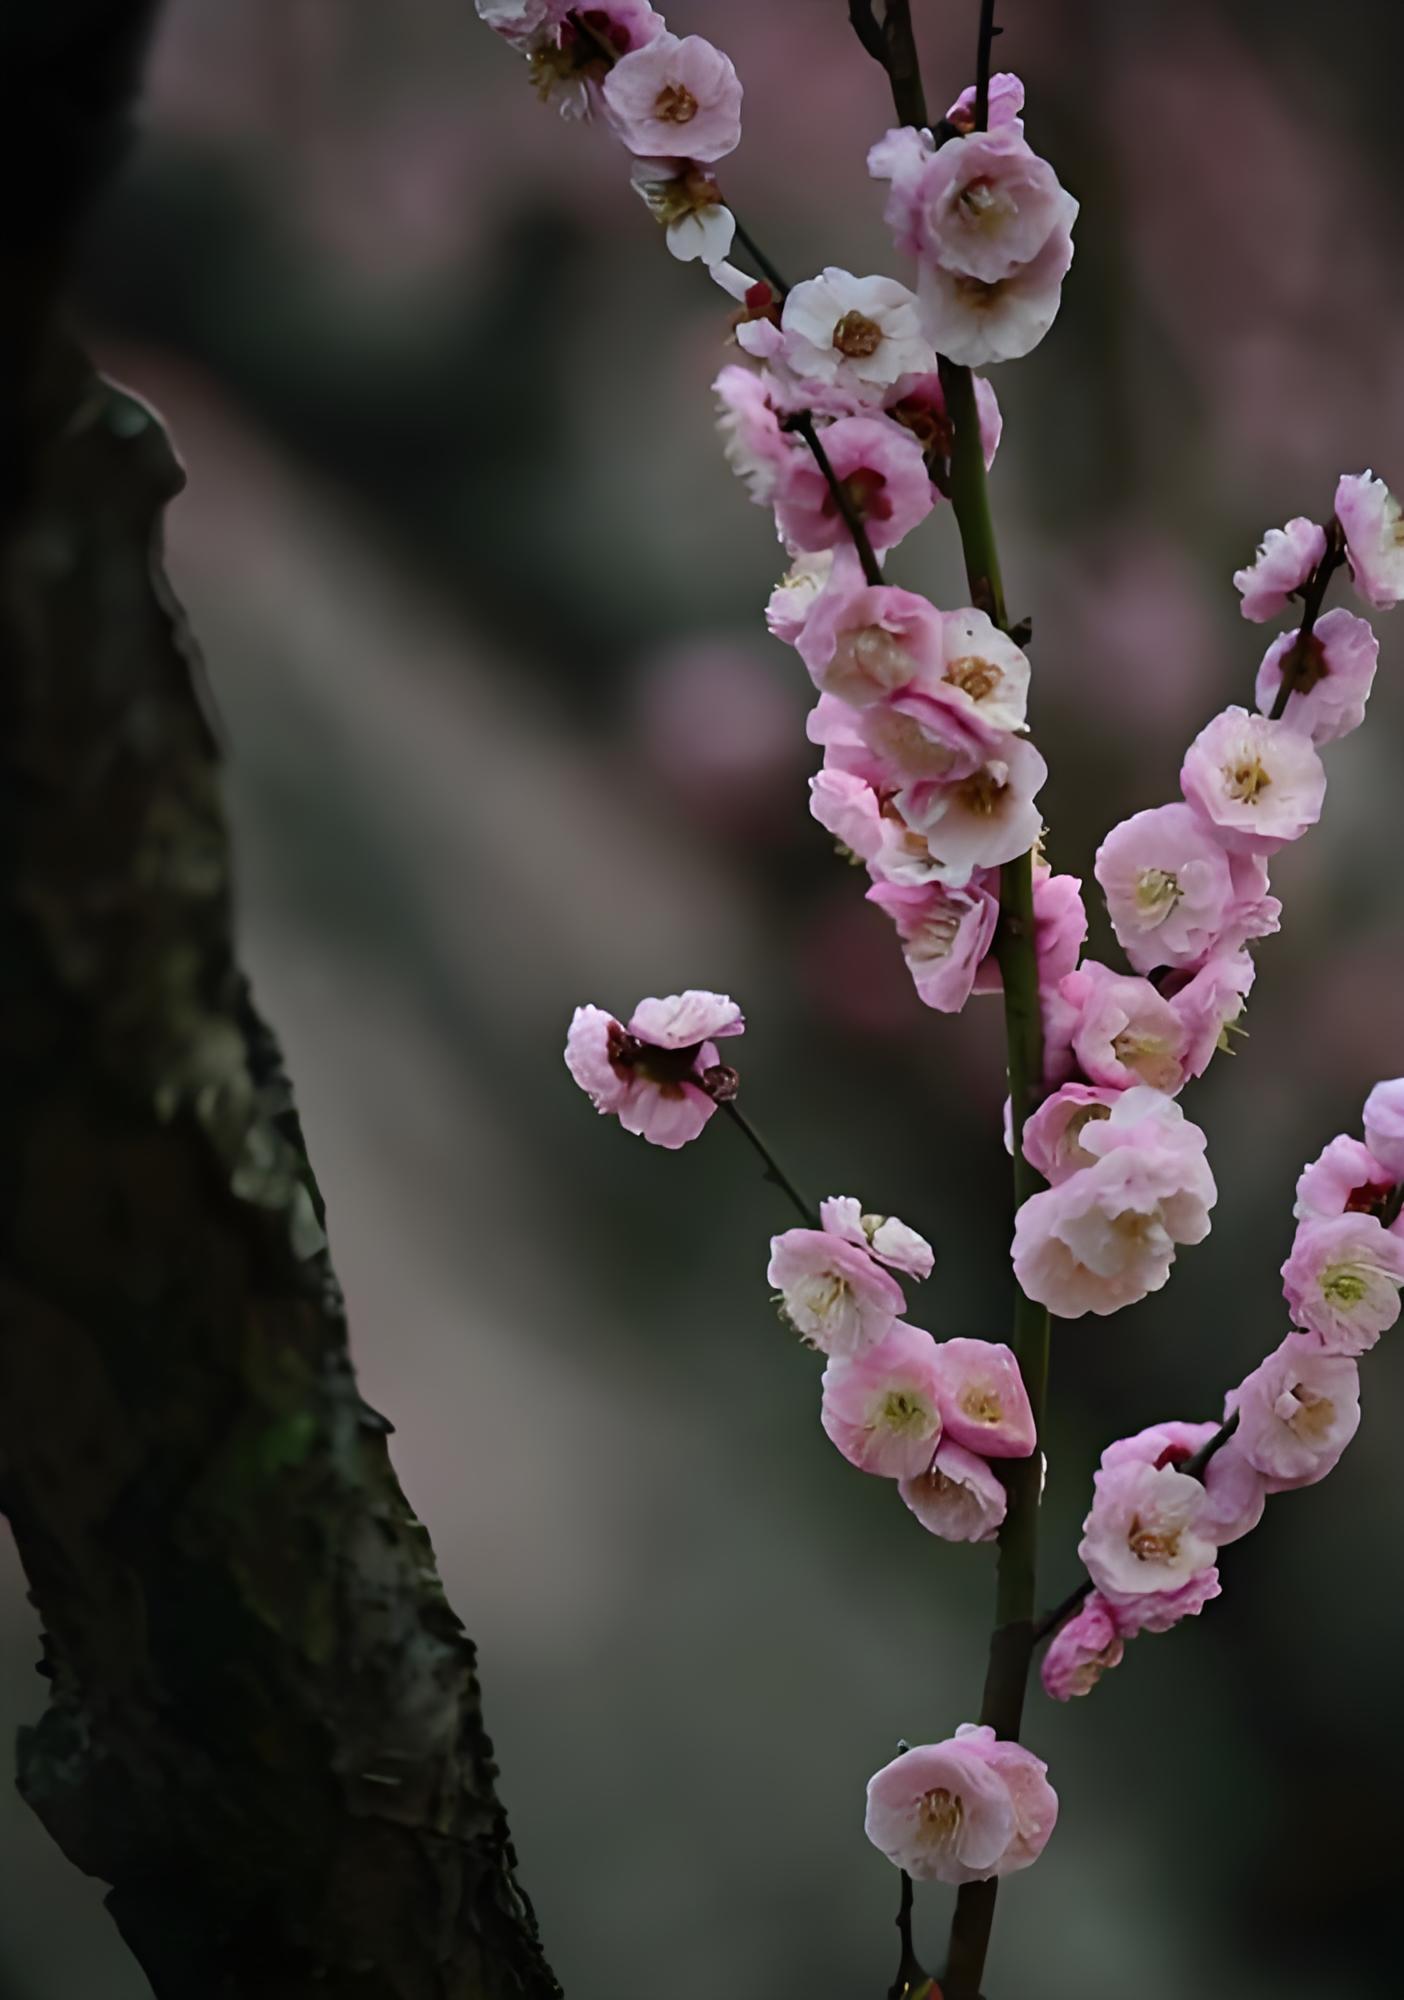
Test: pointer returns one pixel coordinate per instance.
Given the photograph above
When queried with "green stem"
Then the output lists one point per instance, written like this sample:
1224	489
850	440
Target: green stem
1012	1641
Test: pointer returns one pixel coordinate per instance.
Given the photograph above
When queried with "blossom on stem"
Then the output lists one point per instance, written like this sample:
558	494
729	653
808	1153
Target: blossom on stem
835	1295
1258	783
651	1074
892	1241
871	641
1006	101
884	480
688	203
1345	1177
958	1497
675	97
976	323
858	334
1053	1133
942	1812
918	403
1297	1412
847	807
1331	681
1209	1004
945	935
882	1408
1124	1032
1234	1492
980	207
982	818
1342	1281
1384	1125
1144	1535
758	451
983	1399
1373	526
1167	884
1087	1646
1286	558
1106	1236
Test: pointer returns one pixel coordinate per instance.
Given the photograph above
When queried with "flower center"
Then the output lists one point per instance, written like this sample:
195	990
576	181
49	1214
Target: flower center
982	1406
1148	1057
675	104
979	296
941	1815
1134	1228
983	204
876	656
981	793
865	492
1072	1147
902	1411
1343	1285
1157	892
936	937
1159	1545
857	336
1246	779
1313	1416
977	678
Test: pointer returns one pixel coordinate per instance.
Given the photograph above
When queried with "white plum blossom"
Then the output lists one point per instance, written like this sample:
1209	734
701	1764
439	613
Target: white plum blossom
861	334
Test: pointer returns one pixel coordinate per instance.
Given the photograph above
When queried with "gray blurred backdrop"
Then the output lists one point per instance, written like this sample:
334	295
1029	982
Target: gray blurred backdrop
482	613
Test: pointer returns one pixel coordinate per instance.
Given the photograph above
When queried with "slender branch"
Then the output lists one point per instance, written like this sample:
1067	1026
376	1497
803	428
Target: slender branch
1298	660
983	56
803	426
774	1172
758	257
912	1977
893	44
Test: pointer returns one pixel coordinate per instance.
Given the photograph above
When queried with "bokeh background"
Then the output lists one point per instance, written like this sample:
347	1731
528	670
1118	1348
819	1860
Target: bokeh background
482	607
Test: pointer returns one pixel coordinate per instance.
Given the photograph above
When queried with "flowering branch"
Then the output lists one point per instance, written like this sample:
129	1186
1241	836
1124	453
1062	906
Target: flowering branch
853	413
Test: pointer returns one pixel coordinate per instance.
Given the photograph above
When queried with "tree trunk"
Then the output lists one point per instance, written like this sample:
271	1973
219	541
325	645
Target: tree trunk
264	1728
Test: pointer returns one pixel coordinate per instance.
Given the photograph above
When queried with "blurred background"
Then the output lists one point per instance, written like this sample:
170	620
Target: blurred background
481	607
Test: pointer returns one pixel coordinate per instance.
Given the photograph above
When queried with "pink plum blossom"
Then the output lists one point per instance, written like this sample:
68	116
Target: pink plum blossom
848	808
1052	1136
755	447
958	1497
1210	1003
1384	1125
1285	559
1297	1412
1034	1800
650	1074
1124	1032
882	1407
1106	1236
1144	1535
834	1294
792	602
1060	932
1342	1281
1373	526
841	731
943	1813
983	670
1082	1650
981	207
892	1241
1006	101
984	819
1234	1493
1168	886
1332	688
983	1399
688	203
1159	1610
675	97
625	24
977	324
860	334
871	642
520	20
922	737
944	933
1344	1178
883	476
1258	783
918	403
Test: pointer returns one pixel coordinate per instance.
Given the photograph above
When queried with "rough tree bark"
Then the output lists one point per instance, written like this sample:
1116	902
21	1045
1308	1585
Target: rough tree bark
264	1728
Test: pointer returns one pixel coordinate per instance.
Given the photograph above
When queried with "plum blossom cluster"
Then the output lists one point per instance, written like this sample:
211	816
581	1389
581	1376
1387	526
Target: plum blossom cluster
1186	888
659	1073
929	1414
1167	1500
